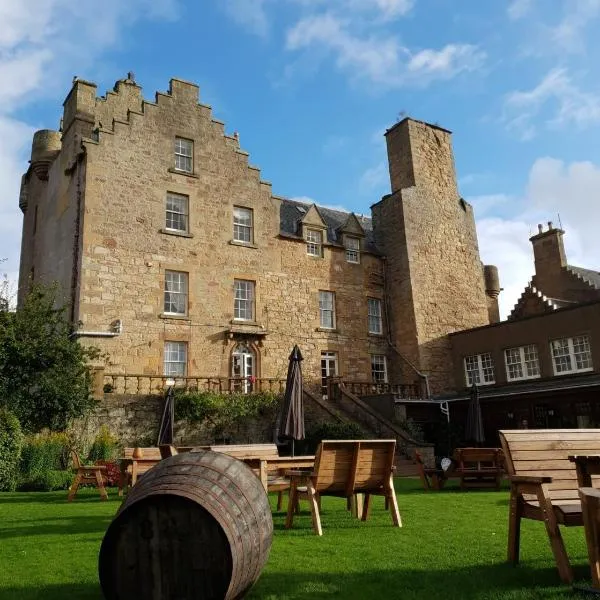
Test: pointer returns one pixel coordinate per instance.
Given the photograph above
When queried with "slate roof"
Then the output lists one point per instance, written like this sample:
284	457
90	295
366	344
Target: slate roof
292	212
592	277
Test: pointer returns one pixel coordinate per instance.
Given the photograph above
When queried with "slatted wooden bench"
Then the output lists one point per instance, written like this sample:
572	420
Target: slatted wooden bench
479	467
544	484
257	457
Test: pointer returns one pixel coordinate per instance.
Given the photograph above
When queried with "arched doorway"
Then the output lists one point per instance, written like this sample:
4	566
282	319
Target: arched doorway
243	367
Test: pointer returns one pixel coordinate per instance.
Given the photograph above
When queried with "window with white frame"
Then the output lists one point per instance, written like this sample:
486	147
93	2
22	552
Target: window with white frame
177	212
175	359
176	293
522	362
184	155
314	243
378	368
375	320
242	225
327	309
243	309
479	369
570	355
352	249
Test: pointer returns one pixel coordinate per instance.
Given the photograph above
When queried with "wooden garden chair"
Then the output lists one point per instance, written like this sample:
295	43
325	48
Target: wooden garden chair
345	469
87	474
431	477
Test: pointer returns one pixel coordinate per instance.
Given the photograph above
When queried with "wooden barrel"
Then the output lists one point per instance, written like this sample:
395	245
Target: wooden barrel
196	526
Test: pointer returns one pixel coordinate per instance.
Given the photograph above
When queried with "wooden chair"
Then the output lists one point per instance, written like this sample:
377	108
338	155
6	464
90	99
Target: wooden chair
256	455
86	474
344	469
479	467
543	484
431	478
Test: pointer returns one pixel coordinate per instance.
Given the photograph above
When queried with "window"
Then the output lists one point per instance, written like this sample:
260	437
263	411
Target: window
522	362
242	225
243	309
184	152
479	369
35	219
378	368
314	243
176	290
570	355
175	364
328	369
327	309
177	212
375	322
352	250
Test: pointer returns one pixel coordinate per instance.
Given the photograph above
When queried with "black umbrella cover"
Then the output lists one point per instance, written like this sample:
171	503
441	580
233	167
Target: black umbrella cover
292	417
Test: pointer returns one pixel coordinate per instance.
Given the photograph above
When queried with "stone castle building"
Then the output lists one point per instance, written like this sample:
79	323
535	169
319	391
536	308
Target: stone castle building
177	258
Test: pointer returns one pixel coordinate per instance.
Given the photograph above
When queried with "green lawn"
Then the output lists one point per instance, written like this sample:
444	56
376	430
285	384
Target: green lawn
452	545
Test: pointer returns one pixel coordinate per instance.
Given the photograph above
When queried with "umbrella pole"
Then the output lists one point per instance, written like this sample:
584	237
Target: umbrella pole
293	446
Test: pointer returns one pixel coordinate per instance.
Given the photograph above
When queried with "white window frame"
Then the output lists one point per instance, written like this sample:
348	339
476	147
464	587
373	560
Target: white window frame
352	245
243	227
174	213
577	350
243	303
375	316
314	243
175	359
377	361
326	309
329	358
184	155
484	369
176	293
523	359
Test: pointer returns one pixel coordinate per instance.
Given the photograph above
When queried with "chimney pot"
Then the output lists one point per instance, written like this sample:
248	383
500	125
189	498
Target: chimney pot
540	228
549	225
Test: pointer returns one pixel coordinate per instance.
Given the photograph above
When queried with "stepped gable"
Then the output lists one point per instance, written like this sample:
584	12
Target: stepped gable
592	278
292	212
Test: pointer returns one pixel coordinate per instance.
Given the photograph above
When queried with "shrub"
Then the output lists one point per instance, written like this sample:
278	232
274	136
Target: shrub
48	481
11	442
104	447
42	453
328	430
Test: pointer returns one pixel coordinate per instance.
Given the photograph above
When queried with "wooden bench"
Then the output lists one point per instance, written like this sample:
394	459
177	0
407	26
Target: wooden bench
257	457
132	468
478	467
432	478
544	484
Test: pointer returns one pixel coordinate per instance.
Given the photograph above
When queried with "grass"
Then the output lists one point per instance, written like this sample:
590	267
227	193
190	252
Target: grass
452	545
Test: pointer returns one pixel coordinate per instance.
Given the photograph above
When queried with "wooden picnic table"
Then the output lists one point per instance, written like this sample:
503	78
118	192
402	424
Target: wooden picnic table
586	465
138	466
277	463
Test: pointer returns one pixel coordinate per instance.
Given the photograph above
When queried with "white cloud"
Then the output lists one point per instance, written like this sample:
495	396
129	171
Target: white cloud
250	14
518	9
568	34
554	188
375	177
380	58
557	95
40	49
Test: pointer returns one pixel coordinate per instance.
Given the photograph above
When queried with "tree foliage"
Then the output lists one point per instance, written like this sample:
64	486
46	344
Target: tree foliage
44	375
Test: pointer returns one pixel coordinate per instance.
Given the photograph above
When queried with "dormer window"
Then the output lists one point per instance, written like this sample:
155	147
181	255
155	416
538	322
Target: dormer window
352	245
314	243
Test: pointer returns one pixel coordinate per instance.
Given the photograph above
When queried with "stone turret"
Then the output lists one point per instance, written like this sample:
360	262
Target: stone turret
492	291
45	148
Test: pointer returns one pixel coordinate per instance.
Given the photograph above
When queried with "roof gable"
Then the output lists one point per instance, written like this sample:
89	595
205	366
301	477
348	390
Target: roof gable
313	218
352	226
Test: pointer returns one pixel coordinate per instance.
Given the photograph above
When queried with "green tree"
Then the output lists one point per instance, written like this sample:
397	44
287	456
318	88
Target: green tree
44	374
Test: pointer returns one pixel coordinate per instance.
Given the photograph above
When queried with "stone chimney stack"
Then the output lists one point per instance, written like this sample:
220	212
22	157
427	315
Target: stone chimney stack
549	255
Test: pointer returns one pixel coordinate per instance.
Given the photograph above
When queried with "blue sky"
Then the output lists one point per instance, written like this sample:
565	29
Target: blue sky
311	85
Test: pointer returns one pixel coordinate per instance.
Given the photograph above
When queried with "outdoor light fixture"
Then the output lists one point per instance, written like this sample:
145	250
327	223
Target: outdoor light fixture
510	415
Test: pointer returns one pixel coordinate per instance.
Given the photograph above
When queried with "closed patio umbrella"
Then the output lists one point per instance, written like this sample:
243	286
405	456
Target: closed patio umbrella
165	431
474	429
292	414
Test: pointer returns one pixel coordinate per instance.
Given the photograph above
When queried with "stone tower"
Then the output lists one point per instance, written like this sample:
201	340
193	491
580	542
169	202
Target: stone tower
434	276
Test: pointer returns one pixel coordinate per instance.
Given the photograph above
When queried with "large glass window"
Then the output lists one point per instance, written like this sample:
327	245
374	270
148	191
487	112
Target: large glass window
177	212
176	292
327	309
570	355
375	320
314	243
242	225
243	309
378	368
522	362
175	360
479	369
184	155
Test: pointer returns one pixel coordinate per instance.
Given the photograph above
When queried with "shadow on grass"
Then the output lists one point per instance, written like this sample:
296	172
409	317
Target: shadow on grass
67	525
472	583
77	591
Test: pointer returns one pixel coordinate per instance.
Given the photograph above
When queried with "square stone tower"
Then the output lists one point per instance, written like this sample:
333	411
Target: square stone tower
434	276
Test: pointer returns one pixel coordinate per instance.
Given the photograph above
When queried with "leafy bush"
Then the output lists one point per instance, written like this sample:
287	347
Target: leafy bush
413	429
11	442
48	481
104	446
328	430
222	411
42	453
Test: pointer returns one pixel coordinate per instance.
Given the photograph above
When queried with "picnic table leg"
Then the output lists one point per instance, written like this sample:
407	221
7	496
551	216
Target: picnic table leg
314	509
590	509
393	502
134	472
514	526
74	487
263	474
100	484
292	503
366	506
356	505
